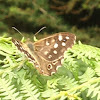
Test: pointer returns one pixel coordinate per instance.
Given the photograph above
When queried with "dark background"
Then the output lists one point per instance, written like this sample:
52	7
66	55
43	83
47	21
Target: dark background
81	17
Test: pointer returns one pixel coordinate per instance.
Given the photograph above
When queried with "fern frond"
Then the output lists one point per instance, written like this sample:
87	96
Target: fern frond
97	69
65	95
69	61
6	45
56	87
8	61
29	90
8	91
67	83
88	75
86	53
73	92
94	90
81	57
53	83
50	92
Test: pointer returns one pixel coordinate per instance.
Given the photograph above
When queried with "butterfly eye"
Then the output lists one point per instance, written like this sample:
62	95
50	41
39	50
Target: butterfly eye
49	67
30	46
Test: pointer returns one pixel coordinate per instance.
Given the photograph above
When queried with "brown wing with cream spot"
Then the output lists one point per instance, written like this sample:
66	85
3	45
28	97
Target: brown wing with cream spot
53	47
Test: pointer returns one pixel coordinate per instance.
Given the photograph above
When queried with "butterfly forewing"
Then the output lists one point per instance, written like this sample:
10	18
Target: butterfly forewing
47	53
53	47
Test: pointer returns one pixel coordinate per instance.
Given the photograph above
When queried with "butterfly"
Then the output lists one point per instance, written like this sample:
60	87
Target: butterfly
47	54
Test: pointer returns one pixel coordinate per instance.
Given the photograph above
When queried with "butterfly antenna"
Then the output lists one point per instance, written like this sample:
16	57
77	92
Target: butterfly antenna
18	31
35	39
40	30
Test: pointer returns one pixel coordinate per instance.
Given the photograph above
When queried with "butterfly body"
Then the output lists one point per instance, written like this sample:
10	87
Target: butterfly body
47	53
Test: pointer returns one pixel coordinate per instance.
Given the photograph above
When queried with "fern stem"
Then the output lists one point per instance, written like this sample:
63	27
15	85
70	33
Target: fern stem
84	84
66	93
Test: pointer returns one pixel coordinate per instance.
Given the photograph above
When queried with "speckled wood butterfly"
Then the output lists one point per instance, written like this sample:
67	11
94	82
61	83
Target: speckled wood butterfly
47	53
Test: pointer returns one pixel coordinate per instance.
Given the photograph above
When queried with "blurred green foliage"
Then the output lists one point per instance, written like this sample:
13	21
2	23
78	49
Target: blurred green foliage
77	16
